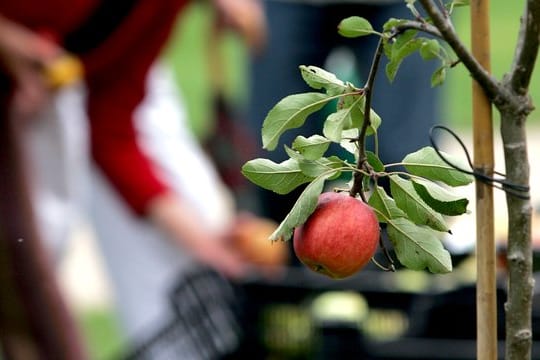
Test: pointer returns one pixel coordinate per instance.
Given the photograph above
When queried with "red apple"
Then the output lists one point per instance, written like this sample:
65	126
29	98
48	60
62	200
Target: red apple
339	238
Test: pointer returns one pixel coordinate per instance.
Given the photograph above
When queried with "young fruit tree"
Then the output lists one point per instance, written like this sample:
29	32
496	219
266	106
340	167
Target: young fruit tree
336	234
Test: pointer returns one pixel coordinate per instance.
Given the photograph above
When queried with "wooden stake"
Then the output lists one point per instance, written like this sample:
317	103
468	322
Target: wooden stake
486	300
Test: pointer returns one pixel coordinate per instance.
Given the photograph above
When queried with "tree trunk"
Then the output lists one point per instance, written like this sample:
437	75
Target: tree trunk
519	254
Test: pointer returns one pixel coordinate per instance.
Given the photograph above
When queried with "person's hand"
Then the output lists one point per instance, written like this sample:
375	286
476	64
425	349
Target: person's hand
250	237
246	17
189	232
217	253
25	54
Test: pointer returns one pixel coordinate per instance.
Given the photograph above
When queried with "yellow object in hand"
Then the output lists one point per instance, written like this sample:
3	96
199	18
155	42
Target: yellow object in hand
63	71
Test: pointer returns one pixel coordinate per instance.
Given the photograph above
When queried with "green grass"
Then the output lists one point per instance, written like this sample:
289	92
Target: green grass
102	334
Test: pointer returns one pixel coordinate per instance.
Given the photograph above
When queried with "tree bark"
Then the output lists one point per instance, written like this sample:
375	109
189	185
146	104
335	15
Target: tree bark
519	254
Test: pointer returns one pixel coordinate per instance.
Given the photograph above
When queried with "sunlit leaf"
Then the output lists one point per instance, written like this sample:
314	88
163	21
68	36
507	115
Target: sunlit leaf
438	76
317	167
440	199
374	161
355	26
416	209
399	54
426	163
418	247
341	120
281	178
304	206
311	148
319	78
386	206
290	113
348	142
429	49
391	23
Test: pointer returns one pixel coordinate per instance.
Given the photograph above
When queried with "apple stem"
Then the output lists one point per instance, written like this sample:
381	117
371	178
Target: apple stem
391	266
387	253
381	266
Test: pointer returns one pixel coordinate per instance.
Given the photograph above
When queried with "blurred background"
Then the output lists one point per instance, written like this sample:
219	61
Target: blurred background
82	274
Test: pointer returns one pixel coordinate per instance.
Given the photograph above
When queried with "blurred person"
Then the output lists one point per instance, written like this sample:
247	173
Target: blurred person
304	32
154	194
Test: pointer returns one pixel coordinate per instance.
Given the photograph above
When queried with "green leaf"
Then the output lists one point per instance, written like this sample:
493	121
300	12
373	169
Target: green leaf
403	39
347	143
302	209
319	78
374	119
392	45
387	48
416	209
386	206
418	247
315	168
374	161
323	166
358	118
457	3
426	163
311	148
391	23
438	76
440	199
281	178
342	119
355	26
399	54
290	113
430	49
320	166
349	116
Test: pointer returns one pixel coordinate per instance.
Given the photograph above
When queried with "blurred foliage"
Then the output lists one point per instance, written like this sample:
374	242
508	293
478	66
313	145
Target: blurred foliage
188	52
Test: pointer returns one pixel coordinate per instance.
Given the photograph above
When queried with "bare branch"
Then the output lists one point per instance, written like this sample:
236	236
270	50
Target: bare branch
526	49
368	88
418	25
491	86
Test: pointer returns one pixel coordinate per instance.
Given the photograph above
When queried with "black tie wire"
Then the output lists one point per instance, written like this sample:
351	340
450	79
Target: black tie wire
499	182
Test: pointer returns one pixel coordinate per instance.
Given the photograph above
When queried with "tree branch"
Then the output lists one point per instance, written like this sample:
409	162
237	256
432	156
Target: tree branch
418	25
526	49
494	90
368	89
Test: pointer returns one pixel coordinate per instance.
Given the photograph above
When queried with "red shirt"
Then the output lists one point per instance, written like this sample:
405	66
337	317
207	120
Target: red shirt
116	76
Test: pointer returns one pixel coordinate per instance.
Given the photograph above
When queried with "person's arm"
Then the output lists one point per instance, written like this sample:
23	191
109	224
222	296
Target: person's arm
117	86
247	18
176	218
23	55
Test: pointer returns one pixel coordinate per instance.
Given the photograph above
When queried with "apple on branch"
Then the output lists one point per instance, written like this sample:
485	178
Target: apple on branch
339	237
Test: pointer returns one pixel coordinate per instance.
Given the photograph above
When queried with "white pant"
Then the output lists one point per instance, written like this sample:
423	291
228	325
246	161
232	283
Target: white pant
56	143
142	263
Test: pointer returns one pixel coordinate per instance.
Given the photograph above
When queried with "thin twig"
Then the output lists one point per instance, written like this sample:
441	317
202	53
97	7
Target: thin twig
526	49
494	90
368	88
417	25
